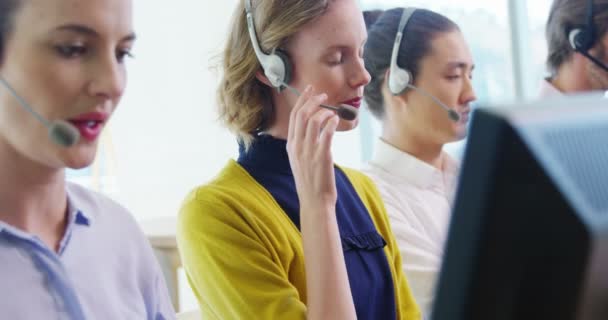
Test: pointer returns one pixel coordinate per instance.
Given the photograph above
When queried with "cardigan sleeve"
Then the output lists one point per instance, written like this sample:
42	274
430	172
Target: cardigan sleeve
231	272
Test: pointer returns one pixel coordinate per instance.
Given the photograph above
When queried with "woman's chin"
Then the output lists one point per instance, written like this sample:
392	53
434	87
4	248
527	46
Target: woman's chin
346	125
76	164
78	158
460	134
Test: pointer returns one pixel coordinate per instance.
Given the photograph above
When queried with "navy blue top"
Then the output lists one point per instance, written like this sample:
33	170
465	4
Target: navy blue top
368	270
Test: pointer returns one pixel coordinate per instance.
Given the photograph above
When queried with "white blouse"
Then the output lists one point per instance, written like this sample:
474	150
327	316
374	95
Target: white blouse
418	198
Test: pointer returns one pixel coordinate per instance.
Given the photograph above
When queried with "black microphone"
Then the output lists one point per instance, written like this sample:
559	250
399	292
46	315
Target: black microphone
344	111
454	116
60	132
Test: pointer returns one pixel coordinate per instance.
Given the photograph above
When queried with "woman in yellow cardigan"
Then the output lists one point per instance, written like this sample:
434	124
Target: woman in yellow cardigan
283	233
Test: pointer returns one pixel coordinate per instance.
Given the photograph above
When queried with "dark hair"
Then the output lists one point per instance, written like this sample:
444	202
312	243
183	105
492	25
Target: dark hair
423	26
370	17
564	16
7	10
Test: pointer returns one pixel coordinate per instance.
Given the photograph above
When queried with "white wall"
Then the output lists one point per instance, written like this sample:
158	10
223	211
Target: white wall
165	134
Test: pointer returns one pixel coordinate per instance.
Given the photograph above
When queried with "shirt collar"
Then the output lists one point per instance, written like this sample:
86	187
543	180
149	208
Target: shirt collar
409	168
547	89
75	212
266	153
5	227
80	205
78	213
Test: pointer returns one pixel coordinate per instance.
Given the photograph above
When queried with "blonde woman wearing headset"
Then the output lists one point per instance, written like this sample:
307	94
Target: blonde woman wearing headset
283	233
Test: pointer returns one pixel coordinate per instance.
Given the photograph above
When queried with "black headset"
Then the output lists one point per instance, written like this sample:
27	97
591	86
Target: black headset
584	38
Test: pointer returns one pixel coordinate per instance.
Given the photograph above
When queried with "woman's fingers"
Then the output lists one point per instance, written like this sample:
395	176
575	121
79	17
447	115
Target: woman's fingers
304	113
316	124
311	129
299	104
327	134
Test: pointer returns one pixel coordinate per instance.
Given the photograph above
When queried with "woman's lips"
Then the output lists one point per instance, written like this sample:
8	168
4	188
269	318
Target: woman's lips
356	102
89	130
89	124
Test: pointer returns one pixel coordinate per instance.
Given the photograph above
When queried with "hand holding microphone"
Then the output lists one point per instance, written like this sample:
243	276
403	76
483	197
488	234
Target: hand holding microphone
309	139
60	132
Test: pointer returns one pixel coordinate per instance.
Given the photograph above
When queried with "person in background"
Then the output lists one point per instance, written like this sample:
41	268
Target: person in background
66	252
420	91
284	233
577	41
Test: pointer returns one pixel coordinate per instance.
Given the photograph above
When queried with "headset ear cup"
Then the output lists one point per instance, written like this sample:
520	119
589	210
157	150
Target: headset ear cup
572	38
398	81
407	79
286	63
586	39
581	39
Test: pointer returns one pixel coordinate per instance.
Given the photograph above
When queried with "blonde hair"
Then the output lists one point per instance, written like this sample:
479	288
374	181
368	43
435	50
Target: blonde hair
245	104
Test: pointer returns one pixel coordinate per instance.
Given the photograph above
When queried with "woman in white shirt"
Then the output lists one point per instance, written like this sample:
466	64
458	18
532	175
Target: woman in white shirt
421	92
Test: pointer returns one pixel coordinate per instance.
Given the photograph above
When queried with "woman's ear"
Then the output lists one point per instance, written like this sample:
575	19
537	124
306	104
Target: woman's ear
262	78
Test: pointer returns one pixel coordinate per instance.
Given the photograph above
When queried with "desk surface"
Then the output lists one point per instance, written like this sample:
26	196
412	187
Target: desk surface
161	232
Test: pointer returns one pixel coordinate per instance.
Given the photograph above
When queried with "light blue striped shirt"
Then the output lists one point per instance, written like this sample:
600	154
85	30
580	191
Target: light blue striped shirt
104	269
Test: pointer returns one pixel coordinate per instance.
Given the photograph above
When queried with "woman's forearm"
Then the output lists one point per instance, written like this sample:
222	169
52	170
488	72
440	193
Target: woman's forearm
328	289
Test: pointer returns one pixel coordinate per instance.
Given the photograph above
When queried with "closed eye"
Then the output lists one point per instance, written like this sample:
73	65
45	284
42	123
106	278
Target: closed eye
122	54
71	51
335	60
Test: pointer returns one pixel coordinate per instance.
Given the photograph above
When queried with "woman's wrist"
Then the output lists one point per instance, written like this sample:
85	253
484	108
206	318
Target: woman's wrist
317	211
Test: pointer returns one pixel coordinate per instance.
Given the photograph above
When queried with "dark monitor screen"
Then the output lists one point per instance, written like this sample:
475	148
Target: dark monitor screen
529	232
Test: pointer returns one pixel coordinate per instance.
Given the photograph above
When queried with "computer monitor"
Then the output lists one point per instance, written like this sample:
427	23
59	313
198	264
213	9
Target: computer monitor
529	232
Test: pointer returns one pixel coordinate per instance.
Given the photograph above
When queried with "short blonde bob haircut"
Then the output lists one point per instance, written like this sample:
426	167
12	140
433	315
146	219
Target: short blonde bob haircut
245	104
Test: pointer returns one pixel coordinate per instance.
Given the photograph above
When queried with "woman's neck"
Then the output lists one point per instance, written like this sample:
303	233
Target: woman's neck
32	197
277	130
279	127
417	145
570	79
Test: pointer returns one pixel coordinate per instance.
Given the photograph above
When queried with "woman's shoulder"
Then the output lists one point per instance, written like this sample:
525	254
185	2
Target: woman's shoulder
118	240
233	207
109	222
105	214
233	190
230	184
94	204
